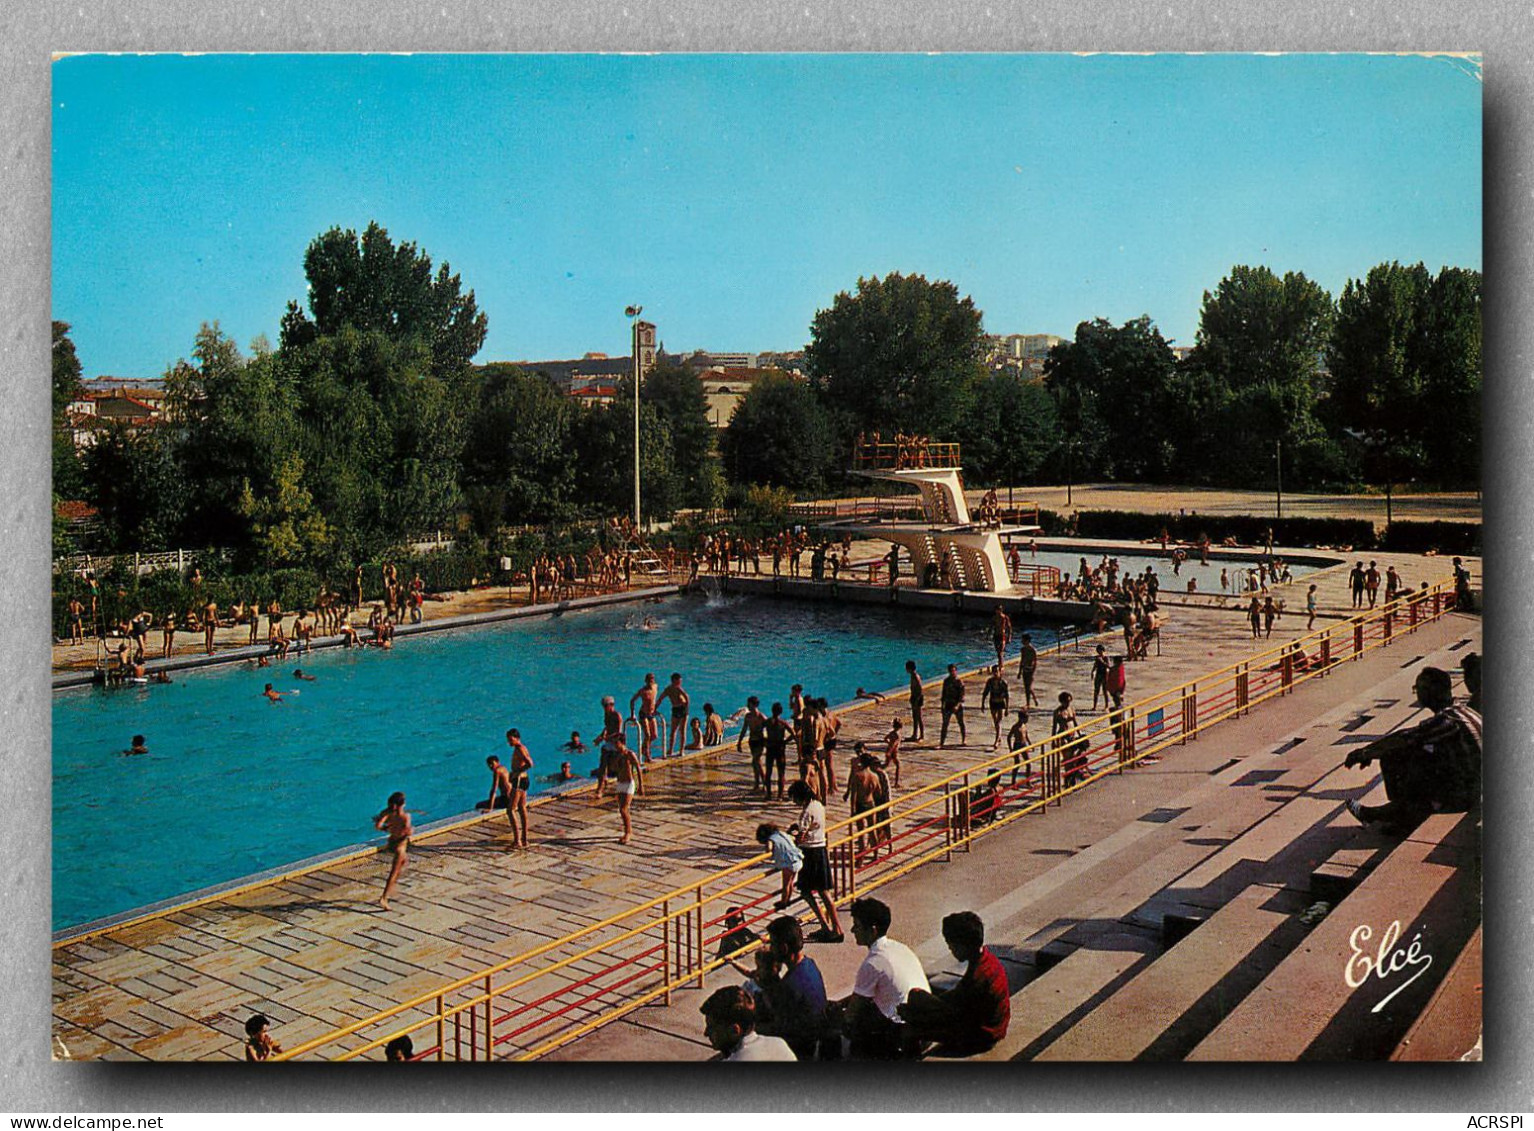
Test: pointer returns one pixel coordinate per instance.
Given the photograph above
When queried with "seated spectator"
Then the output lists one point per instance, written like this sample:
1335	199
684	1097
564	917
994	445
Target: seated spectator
1472	667
1433	766
888	974
729	1023
970	1018
737	936
791	997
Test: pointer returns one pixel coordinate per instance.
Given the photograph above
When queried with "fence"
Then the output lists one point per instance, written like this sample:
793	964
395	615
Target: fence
530	1005
143	564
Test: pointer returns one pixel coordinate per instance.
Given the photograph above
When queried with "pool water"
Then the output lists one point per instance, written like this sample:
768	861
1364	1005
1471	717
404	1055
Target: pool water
1133	565
234	785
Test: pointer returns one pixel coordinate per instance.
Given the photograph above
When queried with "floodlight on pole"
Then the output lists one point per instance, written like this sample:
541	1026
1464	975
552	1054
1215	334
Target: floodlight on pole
633	313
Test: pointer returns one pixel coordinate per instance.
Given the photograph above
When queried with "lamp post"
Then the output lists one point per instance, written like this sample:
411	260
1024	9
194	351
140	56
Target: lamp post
1278	467
633	313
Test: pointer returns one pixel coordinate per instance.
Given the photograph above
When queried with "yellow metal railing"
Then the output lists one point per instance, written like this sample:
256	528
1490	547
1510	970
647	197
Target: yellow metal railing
519	1009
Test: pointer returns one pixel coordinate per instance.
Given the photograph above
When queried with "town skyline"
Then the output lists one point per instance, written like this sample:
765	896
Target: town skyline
734	196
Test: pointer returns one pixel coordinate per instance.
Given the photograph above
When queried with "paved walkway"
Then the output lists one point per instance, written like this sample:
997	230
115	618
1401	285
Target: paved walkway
313	953
1257	801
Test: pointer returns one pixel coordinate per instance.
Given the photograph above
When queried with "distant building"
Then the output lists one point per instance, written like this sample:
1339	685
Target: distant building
108	402
1022	353
724	388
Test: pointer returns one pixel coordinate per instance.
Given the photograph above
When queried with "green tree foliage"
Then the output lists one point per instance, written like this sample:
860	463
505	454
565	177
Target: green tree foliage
682	410
780	435
288	529
902	354
137	485
1260	341
1009	431
68	482
1114	388
1405	358
370	283
604	442
519	461
237	419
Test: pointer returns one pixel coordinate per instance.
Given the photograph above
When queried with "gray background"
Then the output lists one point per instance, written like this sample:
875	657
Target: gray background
29	1082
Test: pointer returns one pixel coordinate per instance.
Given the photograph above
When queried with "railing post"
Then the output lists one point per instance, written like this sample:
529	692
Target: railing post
700	961
1243	688
665	948
1358	638
1286	670
1326	649
966	816
1388	620
441	1031
489	1021
458	1036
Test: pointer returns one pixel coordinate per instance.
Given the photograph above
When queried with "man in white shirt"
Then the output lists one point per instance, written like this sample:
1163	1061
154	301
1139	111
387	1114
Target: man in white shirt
888	974
729	1023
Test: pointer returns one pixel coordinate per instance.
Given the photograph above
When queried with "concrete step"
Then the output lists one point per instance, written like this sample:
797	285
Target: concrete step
1165	1008
1450	1026
1068	991
1423	900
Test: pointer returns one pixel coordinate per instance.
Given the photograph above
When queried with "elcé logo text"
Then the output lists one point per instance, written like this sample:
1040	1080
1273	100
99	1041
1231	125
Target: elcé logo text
1385	961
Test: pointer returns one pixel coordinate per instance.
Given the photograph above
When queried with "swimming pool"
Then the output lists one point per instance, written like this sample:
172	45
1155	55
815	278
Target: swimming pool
233	785
1068	561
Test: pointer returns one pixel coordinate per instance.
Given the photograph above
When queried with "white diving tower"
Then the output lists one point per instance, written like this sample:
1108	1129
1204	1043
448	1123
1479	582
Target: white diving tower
945	528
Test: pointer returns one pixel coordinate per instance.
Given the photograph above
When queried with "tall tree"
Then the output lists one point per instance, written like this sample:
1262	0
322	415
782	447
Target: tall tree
368	282
67	478
1261	337
1010	430
1405	358
604	437
234	420
1377	390
134	481
682	409
1451	364
1114	385
780	435
902	354
519	459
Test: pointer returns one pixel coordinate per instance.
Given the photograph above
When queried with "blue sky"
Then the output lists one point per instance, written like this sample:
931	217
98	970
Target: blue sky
734	196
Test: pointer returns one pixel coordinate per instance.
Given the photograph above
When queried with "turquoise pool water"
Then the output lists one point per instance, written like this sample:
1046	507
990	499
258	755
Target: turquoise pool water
1207	576
233	785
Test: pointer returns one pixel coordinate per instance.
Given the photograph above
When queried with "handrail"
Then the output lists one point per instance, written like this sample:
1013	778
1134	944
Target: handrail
931	822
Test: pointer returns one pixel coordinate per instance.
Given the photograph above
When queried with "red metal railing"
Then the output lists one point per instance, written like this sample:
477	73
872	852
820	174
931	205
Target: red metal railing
553	994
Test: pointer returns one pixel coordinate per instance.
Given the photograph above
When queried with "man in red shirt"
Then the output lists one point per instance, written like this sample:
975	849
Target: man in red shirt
970	1018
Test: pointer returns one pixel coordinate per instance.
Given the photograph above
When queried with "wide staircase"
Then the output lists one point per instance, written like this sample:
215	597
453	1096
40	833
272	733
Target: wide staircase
1282	930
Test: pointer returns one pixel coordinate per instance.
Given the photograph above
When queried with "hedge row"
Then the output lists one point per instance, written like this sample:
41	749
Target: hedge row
1445	537
1247	530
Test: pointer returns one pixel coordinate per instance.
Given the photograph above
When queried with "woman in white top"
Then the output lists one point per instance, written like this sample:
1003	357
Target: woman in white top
815	875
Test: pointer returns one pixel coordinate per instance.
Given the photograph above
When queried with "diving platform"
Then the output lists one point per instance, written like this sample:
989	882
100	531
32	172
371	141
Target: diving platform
949	547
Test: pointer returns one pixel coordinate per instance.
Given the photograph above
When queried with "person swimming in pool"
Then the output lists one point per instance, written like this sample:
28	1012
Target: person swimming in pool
137	746
298	673
395	820
271	693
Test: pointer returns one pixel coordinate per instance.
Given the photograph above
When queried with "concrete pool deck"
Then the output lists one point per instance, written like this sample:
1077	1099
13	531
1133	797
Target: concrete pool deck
310	950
